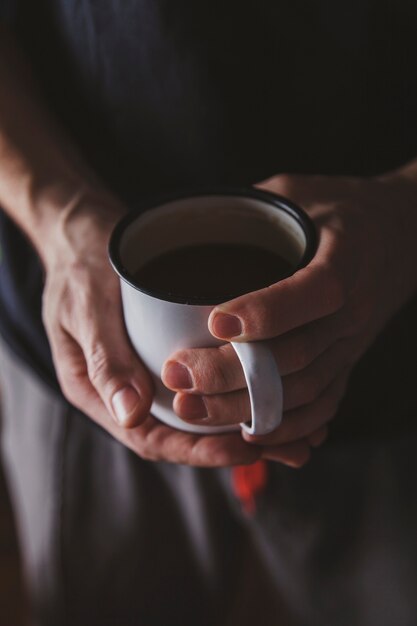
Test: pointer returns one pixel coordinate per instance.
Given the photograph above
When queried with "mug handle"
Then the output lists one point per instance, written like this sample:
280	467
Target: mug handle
264	386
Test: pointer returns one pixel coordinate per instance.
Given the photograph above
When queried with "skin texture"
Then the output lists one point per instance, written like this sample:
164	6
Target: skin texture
94	361
320	320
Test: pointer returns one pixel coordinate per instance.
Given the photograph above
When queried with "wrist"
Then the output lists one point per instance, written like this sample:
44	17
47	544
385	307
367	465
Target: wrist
72	220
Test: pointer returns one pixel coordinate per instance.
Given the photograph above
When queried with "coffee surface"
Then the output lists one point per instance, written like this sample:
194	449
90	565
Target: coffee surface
216	272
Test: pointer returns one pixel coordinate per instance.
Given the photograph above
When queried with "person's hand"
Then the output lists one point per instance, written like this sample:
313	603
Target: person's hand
97	368
319	321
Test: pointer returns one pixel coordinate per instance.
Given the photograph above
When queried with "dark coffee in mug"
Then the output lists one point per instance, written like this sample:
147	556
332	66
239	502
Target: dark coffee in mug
214	271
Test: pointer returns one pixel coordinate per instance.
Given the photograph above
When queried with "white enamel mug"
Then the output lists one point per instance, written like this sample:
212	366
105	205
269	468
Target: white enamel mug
159	324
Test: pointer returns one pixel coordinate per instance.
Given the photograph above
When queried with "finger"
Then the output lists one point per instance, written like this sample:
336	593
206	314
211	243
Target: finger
117	374
313	292
304	387
217	410
295	454
71	370
152	440
302	422
204	371
110	365
301	388
299	348
208	371
155	441
292	454
92	316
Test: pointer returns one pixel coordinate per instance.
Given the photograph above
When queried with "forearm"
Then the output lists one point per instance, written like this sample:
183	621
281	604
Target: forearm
41	175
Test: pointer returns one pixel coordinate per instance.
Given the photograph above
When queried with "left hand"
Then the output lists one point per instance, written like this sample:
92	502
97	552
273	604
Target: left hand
319	321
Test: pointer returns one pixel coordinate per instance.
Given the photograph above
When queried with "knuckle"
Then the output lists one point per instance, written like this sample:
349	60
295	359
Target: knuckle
209	373
216	409
259	318
145	447
212	408
212	374
201	381
220	374
183	356
266	317
97	363
102	371
148	454
228	408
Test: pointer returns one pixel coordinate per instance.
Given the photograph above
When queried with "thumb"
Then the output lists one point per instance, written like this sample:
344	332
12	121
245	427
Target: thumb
119	378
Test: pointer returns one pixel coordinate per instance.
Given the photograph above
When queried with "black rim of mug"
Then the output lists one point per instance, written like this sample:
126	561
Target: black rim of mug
279	202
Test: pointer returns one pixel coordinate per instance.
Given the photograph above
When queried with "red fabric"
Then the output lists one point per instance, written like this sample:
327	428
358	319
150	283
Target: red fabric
248	481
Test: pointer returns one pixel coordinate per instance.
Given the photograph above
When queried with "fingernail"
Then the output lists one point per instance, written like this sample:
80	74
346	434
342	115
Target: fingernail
225	326
124	402
195	407
177	376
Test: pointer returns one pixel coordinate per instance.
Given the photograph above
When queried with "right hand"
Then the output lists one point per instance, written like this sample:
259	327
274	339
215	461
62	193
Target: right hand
98	371
97	368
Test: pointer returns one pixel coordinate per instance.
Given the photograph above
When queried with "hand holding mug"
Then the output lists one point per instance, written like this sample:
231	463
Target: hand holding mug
167	301
320	320
317	322
97	368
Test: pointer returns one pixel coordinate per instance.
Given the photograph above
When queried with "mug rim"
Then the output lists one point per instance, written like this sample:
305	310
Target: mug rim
281	203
